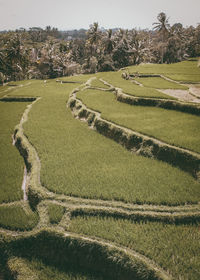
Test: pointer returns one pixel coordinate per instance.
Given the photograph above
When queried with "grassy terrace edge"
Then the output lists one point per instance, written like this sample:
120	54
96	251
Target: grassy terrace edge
169	104
154	102
137	142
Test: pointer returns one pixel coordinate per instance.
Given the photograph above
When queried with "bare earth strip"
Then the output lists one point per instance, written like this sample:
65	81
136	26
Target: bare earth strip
183	95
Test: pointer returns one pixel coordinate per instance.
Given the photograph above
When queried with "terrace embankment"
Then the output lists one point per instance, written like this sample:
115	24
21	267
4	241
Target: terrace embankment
155	102
169	87
70	250
181	106
137	142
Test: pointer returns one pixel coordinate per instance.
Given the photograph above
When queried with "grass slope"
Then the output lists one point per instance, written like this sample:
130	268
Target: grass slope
174	247
11	163
166	125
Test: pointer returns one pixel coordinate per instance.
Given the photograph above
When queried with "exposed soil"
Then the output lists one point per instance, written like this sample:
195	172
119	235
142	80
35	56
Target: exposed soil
195	90
183	95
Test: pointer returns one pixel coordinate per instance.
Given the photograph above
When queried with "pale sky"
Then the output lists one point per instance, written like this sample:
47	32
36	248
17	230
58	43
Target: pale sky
76	14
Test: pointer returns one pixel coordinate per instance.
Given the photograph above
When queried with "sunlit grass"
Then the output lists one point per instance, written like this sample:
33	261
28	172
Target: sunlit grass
173	127
174	247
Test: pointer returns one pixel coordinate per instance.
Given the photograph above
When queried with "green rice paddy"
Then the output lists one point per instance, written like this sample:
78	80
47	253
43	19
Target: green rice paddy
115	79
165	125
77	161
186	71
157	82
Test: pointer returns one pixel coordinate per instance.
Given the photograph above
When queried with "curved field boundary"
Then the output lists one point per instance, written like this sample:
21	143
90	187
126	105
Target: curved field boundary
173	217
137	142
34	190
94	254
154	102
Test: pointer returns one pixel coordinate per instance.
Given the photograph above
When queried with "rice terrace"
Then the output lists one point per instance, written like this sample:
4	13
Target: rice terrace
99	141
111	172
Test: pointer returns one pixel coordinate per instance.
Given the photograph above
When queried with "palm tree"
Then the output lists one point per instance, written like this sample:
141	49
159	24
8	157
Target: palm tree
162	27
108	42
17	57
94	36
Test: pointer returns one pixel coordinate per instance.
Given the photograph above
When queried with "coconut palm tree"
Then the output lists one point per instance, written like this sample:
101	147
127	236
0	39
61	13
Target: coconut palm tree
162	27
94	36
108	42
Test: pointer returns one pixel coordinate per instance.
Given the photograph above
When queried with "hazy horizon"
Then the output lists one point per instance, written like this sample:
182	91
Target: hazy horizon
77	14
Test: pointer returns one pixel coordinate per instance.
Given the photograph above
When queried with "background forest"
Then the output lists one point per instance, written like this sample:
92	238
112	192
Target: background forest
48	53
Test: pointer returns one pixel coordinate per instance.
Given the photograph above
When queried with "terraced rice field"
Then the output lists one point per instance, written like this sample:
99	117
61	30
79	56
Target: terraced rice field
112	190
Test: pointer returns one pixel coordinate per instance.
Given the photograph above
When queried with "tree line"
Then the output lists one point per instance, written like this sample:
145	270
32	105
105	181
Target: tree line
45	53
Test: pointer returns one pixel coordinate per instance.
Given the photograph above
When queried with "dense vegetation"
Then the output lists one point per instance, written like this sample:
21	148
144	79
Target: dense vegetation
38	53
